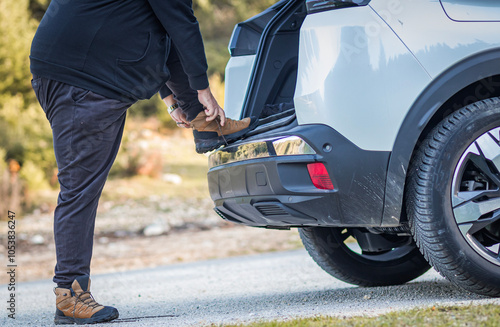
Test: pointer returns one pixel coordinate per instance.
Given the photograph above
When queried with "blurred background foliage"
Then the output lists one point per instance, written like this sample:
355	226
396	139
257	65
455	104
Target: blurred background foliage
27	160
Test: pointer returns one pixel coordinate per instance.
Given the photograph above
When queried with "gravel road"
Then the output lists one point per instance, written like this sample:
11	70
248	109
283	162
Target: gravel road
279	285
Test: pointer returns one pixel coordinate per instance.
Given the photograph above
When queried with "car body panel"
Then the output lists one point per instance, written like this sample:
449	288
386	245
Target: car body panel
439	43
350	76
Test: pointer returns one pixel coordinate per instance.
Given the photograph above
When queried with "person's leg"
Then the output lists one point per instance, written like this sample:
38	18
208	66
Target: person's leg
87	130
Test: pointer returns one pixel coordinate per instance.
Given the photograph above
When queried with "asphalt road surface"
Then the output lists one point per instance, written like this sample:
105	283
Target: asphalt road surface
279	285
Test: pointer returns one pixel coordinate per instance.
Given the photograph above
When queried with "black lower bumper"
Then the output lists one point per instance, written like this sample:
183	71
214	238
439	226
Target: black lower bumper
262	182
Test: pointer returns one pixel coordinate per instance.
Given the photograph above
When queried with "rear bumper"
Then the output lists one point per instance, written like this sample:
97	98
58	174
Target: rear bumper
264	181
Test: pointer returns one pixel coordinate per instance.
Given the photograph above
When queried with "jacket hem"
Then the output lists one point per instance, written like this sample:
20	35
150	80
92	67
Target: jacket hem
80	79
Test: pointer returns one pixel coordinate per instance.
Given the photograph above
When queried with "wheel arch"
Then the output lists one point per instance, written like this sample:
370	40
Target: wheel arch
475	78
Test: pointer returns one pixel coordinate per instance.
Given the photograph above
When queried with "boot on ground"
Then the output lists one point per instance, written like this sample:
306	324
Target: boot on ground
76	305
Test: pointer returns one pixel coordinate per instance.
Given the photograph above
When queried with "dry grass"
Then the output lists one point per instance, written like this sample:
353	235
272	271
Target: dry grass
470	316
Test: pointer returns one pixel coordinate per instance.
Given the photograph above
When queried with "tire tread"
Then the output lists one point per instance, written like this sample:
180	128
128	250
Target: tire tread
418	198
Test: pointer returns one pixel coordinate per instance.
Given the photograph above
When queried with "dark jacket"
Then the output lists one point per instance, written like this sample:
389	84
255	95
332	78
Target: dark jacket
118	48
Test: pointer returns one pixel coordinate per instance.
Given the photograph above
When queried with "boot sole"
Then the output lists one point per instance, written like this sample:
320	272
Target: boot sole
209	144
64	320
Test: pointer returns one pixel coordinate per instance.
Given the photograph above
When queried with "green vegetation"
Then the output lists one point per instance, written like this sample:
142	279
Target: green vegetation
470	316
27	162
25	138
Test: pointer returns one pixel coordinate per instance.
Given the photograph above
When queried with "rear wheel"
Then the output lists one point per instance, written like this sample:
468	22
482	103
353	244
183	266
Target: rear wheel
372	260
453	197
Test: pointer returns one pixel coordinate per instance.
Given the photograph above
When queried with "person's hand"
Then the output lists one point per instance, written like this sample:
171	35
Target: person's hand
177	115
180	118
212	108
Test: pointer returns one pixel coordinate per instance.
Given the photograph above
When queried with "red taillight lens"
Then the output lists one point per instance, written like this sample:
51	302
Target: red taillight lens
319	176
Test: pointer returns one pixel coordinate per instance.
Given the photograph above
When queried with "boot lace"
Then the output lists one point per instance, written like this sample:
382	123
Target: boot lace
88	301
220	129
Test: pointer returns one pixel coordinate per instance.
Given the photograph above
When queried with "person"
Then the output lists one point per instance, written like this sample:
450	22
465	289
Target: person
91	60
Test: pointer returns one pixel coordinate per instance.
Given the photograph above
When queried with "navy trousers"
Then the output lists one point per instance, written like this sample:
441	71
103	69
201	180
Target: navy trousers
87	130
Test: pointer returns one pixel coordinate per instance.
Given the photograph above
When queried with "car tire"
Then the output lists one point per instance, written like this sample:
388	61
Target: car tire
453	197
327	247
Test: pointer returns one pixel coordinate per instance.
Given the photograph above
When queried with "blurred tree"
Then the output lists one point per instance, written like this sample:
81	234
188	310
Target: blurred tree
16	32
25	136
38	8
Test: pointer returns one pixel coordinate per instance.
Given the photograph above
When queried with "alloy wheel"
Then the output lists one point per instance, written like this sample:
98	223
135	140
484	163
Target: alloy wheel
476	195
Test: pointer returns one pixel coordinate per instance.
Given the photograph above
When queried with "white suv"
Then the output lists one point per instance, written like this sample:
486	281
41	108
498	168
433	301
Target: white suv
393	139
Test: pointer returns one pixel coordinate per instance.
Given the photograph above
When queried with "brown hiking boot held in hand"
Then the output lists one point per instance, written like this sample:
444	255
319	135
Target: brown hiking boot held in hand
76	305
209	135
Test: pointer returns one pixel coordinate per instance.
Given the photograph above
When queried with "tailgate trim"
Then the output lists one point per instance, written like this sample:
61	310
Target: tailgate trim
277	146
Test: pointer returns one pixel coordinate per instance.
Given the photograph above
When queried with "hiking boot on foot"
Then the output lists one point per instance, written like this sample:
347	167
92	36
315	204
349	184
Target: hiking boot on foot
76	305
209	135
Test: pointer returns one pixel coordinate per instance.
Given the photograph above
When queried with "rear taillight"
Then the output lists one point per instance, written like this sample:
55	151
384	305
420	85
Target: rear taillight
321	5
319	176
